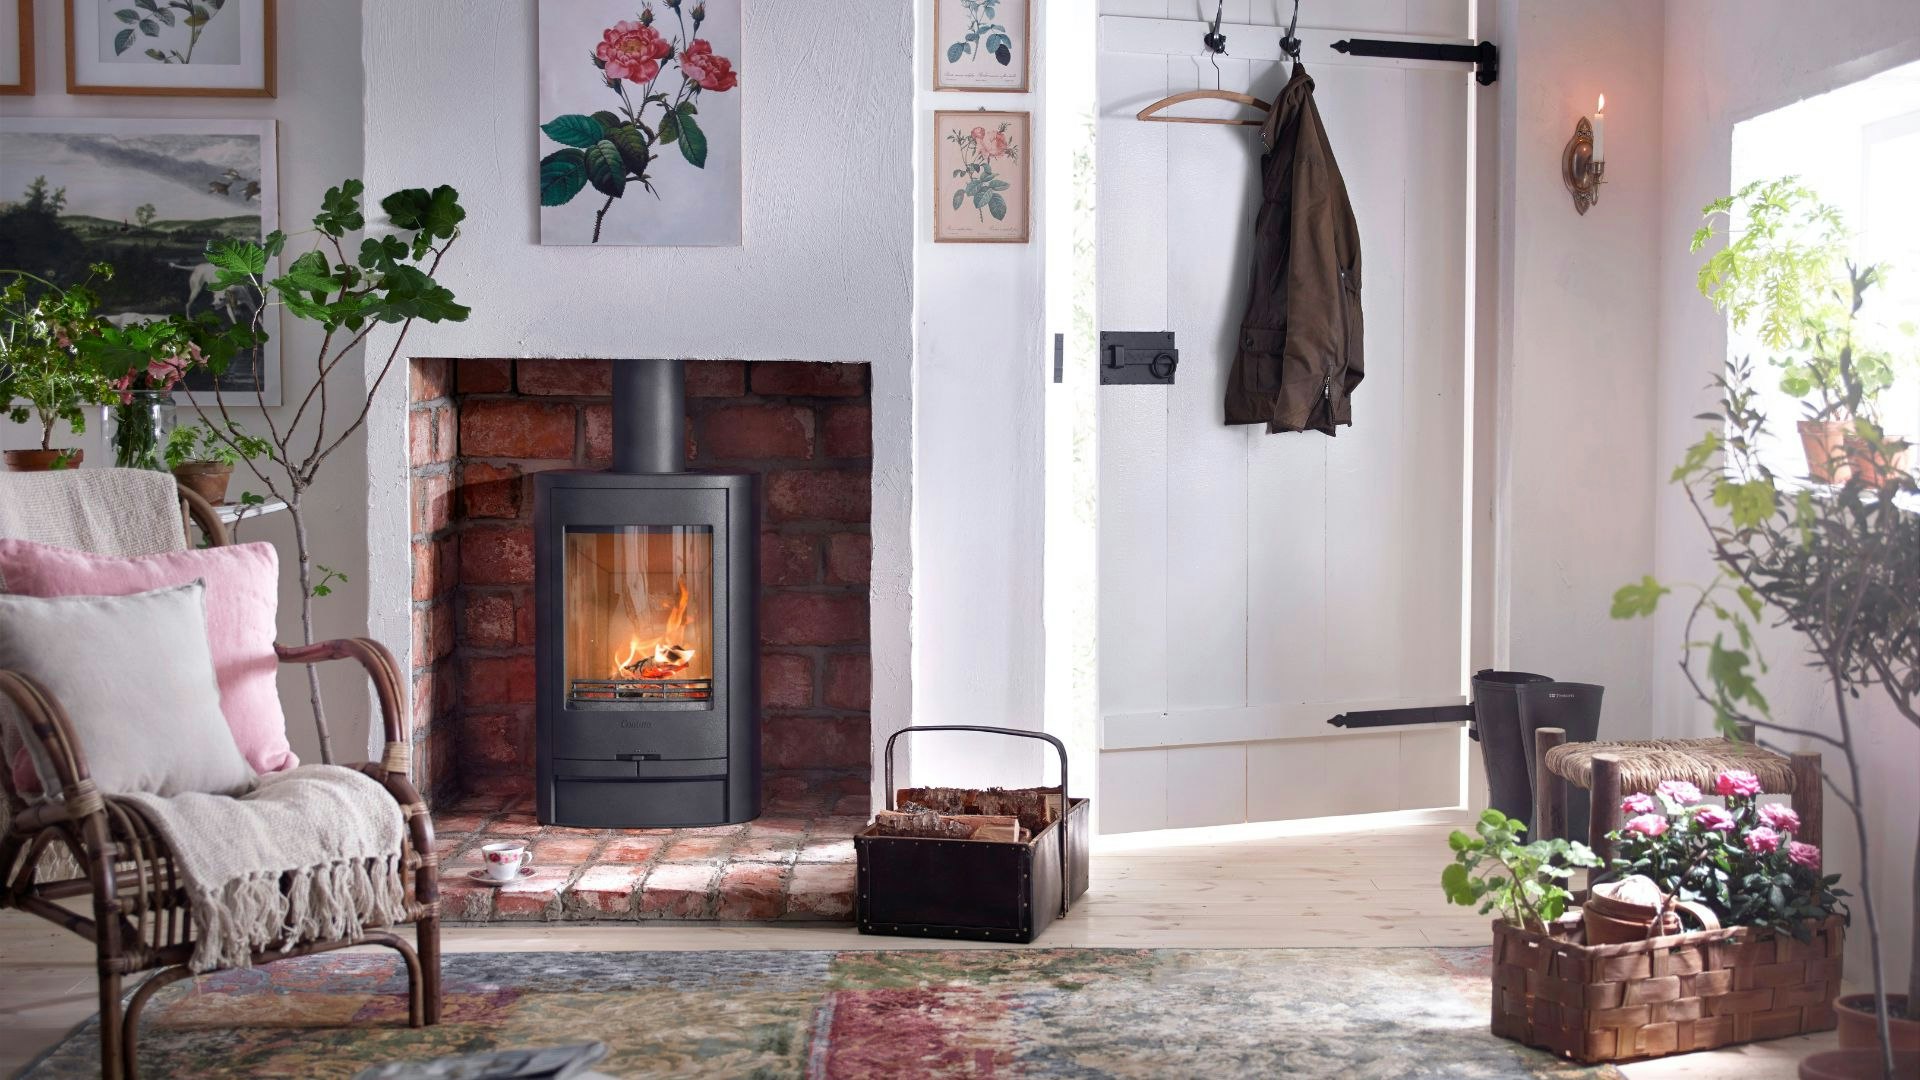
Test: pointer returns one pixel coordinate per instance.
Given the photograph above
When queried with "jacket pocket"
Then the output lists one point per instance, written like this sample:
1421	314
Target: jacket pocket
1352	333
1260	351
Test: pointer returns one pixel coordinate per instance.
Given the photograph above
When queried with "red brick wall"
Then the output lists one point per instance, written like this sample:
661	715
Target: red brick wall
478	427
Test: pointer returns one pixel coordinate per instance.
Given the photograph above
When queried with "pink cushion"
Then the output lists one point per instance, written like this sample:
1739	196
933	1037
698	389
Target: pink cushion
242	596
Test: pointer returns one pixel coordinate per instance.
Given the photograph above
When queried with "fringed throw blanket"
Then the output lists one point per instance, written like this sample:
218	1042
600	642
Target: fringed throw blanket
310	854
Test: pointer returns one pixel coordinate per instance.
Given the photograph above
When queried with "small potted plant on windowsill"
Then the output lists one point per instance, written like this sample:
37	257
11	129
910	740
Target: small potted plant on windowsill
203	460
1784	277
42	375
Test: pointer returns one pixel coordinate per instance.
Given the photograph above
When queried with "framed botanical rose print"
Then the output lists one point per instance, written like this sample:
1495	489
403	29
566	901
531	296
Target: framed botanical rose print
982	45
171	48
16	46
639	122
982	177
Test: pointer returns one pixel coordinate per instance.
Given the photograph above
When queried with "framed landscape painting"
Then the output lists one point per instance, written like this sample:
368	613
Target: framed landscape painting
145	196
639	123
982	45
178	48
982	179
16	46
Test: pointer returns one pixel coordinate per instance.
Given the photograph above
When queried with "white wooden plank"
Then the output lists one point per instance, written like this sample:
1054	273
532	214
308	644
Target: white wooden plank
1133	791
1310	778
1293	720
1247	41
1211	173
1131	191
1206	785
1430	773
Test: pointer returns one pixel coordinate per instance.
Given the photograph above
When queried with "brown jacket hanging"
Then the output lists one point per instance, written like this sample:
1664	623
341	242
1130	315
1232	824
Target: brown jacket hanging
1299	354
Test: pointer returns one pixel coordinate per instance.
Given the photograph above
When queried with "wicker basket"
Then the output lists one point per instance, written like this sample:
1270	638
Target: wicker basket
1666	995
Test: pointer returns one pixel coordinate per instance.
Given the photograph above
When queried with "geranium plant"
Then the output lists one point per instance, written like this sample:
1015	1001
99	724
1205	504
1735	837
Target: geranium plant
42	374
611	149
1522	881
1740	860
979	149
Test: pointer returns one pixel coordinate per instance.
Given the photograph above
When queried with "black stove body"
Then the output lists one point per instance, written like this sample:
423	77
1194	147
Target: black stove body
646	581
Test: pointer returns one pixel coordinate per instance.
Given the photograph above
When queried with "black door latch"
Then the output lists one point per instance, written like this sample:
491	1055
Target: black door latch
1138	358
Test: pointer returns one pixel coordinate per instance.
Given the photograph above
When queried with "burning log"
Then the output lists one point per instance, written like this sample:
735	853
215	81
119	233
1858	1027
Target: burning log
666	662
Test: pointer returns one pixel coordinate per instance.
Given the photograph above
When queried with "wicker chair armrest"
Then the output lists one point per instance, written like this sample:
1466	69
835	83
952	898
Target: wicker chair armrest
46	727
384	670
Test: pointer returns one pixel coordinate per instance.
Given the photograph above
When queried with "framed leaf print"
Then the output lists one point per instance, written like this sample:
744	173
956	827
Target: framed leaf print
16	46
982	177
171	48
639	122
982	45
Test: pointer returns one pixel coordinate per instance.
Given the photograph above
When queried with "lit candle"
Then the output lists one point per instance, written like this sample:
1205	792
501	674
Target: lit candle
1600	130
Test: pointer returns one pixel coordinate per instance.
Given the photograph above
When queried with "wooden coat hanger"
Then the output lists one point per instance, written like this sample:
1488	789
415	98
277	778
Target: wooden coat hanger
1216	45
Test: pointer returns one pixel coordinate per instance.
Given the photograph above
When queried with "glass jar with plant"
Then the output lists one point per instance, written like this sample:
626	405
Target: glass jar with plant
203	458
1521	881
1784	277
1839	566
42	374
139	422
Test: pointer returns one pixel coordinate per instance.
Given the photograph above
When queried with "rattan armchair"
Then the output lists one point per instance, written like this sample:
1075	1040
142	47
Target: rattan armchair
140	922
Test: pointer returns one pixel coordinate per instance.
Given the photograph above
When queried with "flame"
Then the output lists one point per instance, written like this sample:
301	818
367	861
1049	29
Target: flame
667	655
1602	107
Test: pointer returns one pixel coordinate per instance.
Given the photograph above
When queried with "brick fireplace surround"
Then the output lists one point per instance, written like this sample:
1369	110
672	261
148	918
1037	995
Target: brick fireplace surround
477	427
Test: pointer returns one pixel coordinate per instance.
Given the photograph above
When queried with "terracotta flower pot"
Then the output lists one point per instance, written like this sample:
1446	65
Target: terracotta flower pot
1861	462
1825	443
43	460
207	479
1860	1027
1856	1065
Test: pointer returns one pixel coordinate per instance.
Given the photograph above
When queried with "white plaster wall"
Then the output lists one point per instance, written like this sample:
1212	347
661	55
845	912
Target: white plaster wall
824	273
1577	312
981	371
1726	61
318	112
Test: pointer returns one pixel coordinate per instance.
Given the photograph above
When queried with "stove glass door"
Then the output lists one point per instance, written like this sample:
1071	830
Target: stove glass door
639	613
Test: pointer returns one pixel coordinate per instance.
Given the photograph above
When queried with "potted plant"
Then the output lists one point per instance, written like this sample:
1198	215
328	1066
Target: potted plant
388	278
42	374
141	420
1522	881
203	458
1835	565
1783	276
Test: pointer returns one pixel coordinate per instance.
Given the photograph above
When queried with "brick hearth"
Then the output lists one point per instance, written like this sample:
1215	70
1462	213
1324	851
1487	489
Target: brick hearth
477	429
793	863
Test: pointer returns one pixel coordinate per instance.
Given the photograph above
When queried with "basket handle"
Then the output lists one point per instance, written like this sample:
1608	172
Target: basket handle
1708	920
1066	803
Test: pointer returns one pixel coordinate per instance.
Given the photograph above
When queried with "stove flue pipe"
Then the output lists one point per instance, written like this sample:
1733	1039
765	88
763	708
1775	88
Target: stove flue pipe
649	416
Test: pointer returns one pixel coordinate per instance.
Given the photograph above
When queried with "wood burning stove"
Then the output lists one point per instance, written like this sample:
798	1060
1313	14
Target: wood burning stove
647	651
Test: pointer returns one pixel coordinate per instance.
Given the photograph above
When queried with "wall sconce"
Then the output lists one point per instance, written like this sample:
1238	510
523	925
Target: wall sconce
1583	164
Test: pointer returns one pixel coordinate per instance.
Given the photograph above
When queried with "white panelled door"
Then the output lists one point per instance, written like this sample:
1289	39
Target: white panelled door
1254	585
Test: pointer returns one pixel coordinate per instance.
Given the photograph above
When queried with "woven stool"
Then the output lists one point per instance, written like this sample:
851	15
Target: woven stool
1614	770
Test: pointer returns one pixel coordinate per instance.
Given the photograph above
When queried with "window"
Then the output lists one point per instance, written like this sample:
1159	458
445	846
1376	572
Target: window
1858	147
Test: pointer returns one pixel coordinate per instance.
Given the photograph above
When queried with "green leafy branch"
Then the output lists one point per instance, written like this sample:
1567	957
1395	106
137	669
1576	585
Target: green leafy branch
982	32
146	17
1522	881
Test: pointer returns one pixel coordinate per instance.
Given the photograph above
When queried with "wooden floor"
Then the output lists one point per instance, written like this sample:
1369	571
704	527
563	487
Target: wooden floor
1350	883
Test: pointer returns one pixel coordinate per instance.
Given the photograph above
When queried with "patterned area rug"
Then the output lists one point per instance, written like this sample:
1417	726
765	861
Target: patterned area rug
1082	1013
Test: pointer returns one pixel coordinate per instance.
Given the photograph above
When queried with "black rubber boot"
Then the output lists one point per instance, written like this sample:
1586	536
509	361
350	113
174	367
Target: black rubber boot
1496	724
1576	708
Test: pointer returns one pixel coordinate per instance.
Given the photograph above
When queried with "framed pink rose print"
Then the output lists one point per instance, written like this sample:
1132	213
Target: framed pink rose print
982	45
982	177
639	122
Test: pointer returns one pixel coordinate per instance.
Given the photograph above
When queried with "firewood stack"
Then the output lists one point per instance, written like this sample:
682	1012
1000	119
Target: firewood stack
970	813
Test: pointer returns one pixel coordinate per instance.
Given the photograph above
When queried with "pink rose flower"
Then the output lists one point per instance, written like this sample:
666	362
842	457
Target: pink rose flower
996	144
631	51
1648	825
711	72
979	135
1804	855
1737	782
1713	818
1780	816
1679	791
1763	841
1638	803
